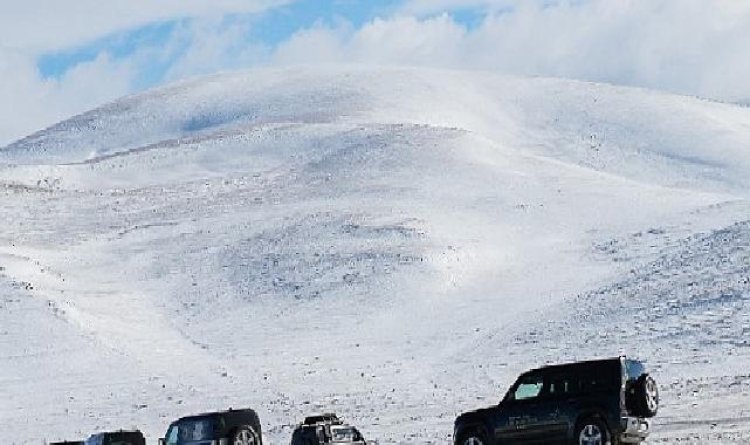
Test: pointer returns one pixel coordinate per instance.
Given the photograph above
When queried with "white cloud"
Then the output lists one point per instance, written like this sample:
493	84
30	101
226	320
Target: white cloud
421	7
29	28
44	25
29	102
213	46
685	46
396	41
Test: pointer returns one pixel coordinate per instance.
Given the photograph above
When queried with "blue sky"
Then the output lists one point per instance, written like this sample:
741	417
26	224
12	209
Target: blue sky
269	28
121	44
62	57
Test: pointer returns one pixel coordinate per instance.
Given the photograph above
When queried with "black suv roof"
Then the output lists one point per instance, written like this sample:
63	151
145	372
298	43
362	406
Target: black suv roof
134	437
226	422
322	418
583	364
217	413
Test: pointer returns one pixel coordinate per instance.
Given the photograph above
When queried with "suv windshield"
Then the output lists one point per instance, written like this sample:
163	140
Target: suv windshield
190	430
95	440
527	387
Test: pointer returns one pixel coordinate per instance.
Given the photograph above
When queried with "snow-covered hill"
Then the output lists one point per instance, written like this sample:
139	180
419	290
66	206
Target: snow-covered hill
391	244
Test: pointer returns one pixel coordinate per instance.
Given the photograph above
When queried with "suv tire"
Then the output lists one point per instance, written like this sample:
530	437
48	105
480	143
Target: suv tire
245	436
472	437
592	431
645	394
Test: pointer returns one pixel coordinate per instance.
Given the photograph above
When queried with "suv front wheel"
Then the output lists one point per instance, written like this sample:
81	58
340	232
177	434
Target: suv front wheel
472	438
592	432
245	436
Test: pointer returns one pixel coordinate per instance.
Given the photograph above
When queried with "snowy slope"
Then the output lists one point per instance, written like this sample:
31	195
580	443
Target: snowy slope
391	244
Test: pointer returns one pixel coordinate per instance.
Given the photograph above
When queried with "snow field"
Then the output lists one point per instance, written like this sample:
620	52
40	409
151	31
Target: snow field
394	245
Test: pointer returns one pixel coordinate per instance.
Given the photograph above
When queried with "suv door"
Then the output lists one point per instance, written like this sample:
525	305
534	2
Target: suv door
530	415
561	394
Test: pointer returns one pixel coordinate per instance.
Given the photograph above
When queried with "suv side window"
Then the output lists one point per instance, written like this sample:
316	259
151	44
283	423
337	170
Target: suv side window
562	385
529	387
596	382
634	369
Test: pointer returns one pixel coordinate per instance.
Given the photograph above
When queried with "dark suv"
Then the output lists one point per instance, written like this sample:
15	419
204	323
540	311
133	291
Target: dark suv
117	438
602	402
326	429
233	427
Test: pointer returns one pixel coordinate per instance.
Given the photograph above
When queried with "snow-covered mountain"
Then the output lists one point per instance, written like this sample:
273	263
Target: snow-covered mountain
393	244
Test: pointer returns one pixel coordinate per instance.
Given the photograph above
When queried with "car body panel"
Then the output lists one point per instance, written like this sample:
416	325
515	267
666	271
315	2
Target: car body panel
117	438
213	426
326	429
567	395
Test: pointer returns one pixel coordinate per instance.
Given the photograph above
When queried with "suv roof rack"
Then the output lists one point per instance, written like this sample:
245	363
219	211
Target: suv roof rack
322	418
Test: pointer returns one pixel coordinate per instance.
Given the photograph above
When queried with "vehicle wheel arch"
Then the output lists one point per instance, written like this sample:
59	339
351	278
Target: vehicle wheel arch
477	427
233	432
593	413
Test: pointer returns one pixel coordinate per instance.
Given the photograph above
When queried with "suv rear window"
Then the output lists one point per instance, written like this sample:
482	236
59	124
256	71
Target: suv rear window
601	377
634	369
597	382
563	385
